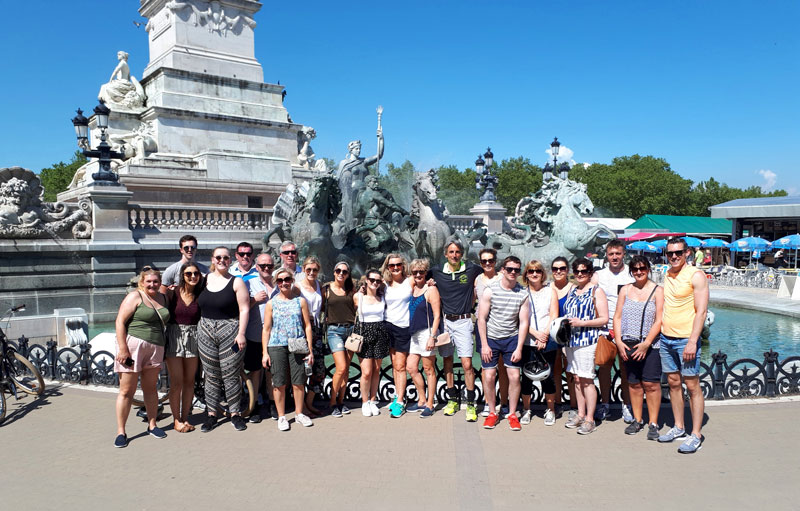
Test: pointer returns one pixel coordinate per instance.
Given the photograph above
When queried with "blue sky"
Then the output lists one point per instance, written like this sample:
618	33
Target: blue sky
710	86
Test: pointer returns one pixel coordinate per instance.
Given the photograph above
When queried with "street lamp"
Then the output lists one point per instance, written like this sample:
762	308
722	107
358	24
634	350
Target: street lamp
563	169
486	178
103	153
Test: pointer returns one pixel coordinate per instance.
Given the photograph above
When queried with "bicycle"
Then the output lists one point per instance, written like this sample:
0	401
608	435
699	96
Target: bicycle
16	371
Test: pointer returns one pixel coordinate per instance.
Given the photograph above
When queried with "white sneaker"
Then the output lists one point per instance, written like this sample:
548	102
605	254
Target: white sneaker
283	424
627	416
366	410
485	410
549	417
373	406
303	419
526	417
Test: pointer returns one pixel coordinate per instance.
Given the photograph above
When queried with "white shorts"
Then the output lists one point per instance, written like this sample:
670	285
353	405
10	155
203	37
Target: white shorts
418	342
580	361
460	332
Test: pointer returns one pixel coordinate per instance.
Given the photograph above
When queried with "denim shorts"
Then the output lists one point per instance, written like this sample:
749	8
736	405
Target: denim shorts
671	352
337	334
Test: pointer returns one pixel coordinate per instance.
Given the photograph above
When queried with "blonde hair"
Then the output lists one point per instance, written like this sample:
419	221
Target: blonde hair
147	270
387	275
311	260
420	264
282	269
534	265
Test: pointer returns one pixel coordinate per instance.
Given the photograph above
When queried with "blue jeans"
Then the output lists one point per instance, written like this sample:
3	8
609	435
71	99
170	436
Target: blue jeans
671	352
337	334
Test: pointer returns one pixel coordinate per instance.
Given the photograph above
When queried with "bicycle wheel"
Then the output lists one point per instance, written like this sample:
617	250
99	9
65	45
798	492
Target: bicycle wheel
25	376
2	403
249	397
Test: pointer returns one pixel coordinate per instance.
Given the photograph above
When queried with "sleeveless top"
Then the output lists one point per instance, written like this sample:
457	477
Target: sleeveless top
341	309
679	310
631	324
420	314
581	306
183	314
372	312
611	283
145	324
540	311
481	283
314	299
220	304
503	321
287	321
397	298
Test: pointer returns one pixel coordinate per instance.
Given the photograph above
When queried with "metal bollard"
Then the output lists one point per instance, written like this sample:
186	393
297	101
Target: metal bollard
52	357
718	361
22	346
770	369
85	363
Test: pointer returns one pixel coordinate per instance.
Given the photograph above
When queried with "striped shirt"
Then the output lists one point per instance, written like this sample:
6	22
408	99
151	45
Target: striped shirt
581	306
503	321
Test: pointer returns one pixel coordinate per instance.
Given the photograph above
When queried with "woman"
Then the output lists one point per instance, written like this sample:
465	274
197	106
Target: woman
539	296
561	288
182	352
489	277
340	313
398	297
310	290
370	312
287	316
140	350
424	322
224	311
586	308
637	328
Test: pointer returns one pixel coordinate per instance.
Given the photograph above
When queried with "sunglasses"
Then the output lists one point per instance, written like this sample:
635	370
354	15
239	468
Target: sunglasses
286	280
510	269
582	272
189	248
289	252
375	281
266	266
244	254
222	258
637	269
558	268
534	271
340	271
488	261
191	274
311	270
676	253
391	266
419	272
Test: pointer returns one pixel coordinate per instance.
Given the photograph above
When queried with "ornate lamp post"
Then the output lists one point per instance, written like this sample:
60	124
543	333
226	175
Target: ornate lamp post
486	178
103	153
563	169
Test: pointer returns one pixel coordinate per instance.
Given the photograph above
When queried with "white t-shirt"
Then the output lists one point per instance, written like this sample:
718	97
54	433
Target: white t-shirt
314	299
611	283
397	298
540	305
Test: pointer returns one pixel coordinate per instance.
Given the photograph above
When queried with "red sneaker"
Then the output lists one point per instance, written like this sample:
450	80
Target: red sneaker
491	421
513	422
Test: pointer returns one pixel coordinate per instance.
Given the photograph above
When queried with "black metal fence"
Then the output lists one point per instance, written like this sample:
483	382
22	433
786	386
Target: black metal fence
720	380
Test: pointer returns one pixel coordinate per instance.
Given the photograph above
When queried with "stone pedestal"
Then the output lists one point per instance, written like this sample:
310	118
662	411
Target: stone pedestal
493	215
110	217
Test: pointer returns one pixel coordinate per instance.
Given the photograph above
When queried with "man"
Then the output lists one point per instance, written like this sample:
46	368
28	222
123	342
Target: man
243	268
288	253
261	290
188	247
503	317
685	307
699	255
611	279
488	258
456	284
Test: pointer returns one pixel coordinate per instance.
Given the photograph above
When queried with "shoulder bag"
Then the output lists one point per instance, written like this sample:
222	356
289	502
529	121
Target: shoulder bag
441	339
355	341
606	350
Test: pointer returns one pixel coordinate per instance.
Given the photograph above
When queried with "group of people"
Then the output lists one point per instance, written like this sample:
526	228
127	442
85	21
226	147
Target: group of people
252	318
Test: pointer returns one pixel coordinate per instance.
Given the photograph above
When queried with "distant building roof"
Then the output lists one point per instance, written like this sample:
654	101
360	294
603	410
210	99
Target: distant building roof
762	207
615	224
692	225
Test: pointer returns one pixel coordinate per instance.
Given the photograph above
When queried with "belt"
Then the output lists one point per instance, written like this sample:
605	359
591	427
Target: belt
340	324
455	317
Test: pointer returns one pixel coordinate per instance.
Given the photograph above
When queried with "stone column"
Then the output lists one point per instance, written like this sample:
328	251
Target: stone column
493	215
110	217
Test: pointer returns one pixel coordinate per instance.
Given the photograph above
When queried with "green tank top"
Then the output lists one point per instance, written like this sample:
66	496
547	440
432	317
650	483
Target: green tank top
145	324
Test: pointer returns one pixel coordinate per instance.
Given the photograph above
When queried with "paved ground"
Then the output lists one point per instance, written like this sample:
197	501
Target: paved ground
57	454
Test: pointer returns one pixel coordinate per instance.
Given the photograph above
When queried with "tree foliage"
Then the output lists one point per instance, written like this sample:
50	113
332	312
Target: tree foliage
56	178
457	189
516	178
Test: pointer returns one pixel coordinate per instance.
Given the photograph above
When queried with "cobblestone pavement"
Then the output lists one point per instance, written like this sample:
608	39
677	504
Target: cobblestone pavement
57	453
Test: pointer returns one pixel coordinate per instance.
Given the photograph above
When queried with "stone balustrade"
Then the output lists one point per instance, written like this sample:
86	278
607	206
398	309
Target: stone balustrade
197	218
462	223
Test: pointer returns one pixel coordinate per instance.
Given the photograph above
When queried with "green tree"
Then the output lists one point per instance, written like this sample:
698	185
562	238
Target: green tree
708	193
516	178
457	189
55	179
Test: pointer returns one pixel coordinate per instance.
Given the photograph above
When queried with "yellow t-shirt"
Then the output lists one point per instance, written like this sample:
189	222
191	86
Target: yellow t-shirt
679	312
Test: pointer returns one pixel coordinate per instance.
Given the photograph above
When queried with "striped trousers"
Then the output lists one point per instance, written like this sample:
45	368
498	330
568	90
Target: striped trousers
222	367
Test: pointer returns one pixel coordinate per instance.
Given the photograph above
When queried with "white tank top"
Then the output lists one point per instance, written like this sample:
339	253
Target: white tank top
370	312
314	299
611	283
397	298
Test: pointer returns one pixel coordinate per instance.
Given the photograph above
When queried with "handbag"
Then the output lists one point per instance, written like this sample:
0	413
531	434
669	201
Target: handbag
442	339
630	343
298	345
606	350
355	341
